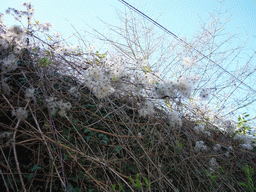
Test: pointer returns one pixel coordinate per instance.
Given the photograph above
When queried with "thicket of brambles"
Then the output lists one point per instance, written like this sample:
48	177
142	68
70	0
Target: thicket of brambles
74	120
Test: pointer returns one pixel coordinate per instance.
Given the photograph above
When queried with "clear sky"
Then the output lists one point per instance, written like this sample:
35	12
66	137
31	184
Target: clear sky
182	17
179	16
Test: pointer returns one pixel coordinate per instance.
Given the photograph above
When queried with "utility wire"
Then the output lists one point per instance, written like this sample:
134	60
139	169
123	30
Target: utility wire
181	40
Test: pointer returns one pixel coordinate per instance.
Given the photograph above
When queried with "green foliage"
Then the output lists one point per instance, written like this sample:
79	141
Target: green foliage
138	183
70	188
44	62
147	183
119	188
211	175
99	57
178	147
103	138
242	125
30	176
146	69
249	171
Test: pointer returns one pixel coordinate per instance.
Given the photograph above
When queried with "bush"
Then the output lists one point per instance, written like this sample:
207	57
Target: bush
97	123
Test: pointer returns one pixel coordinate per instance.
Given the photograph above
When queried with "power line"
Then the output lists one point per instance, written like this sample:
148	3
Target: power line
181	40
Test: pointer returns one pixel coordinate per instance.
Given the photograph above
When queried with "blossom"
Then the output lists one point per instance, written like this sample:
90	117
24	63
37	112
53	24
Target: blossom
147	109
200	146
63	107
74	91
20	113
247	146
165	89
91	48
51	104
9	63
174	118
204	94
6	88
184	86
189	62
3	45
102	90
29	93
149	79
199	128
217	147
213	164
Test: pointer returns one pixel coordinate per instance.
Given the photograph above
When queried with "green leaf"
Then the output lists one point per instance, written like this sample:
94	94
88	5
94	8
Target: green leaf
113	187
35	167
88	138
146	69
242	184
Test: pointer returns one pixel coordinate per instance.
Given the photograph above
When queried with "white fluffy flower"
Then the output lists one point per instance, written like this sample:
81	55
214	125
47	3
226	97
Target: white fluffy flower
74	91
204	94
94	73
51	104
247	146
165	89
6	88
217	147
29	93
3	44
149	80
91	48
230	126
213	164
200	146
199	128
103	90
147	109
174	118
184	86
189	61
20	113
64	106
9	63
245	138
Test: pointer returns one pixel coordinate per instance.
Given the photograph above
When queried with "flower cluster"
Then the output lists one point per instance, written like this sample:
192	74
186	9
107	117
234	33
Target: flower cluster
200	146
201	129
63	107
14	34
230	126
74	91
174	118
20	113
5	87
9	63
189	61
213	164
30	94
3	45
217	147
53	104
96	79
171	88
147	109
248	141
6	134
204	94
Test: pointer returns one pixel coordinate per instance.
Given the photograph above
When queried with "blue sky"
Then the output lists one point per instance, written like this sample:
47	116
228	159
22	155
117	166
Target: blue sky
182	17
179	16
